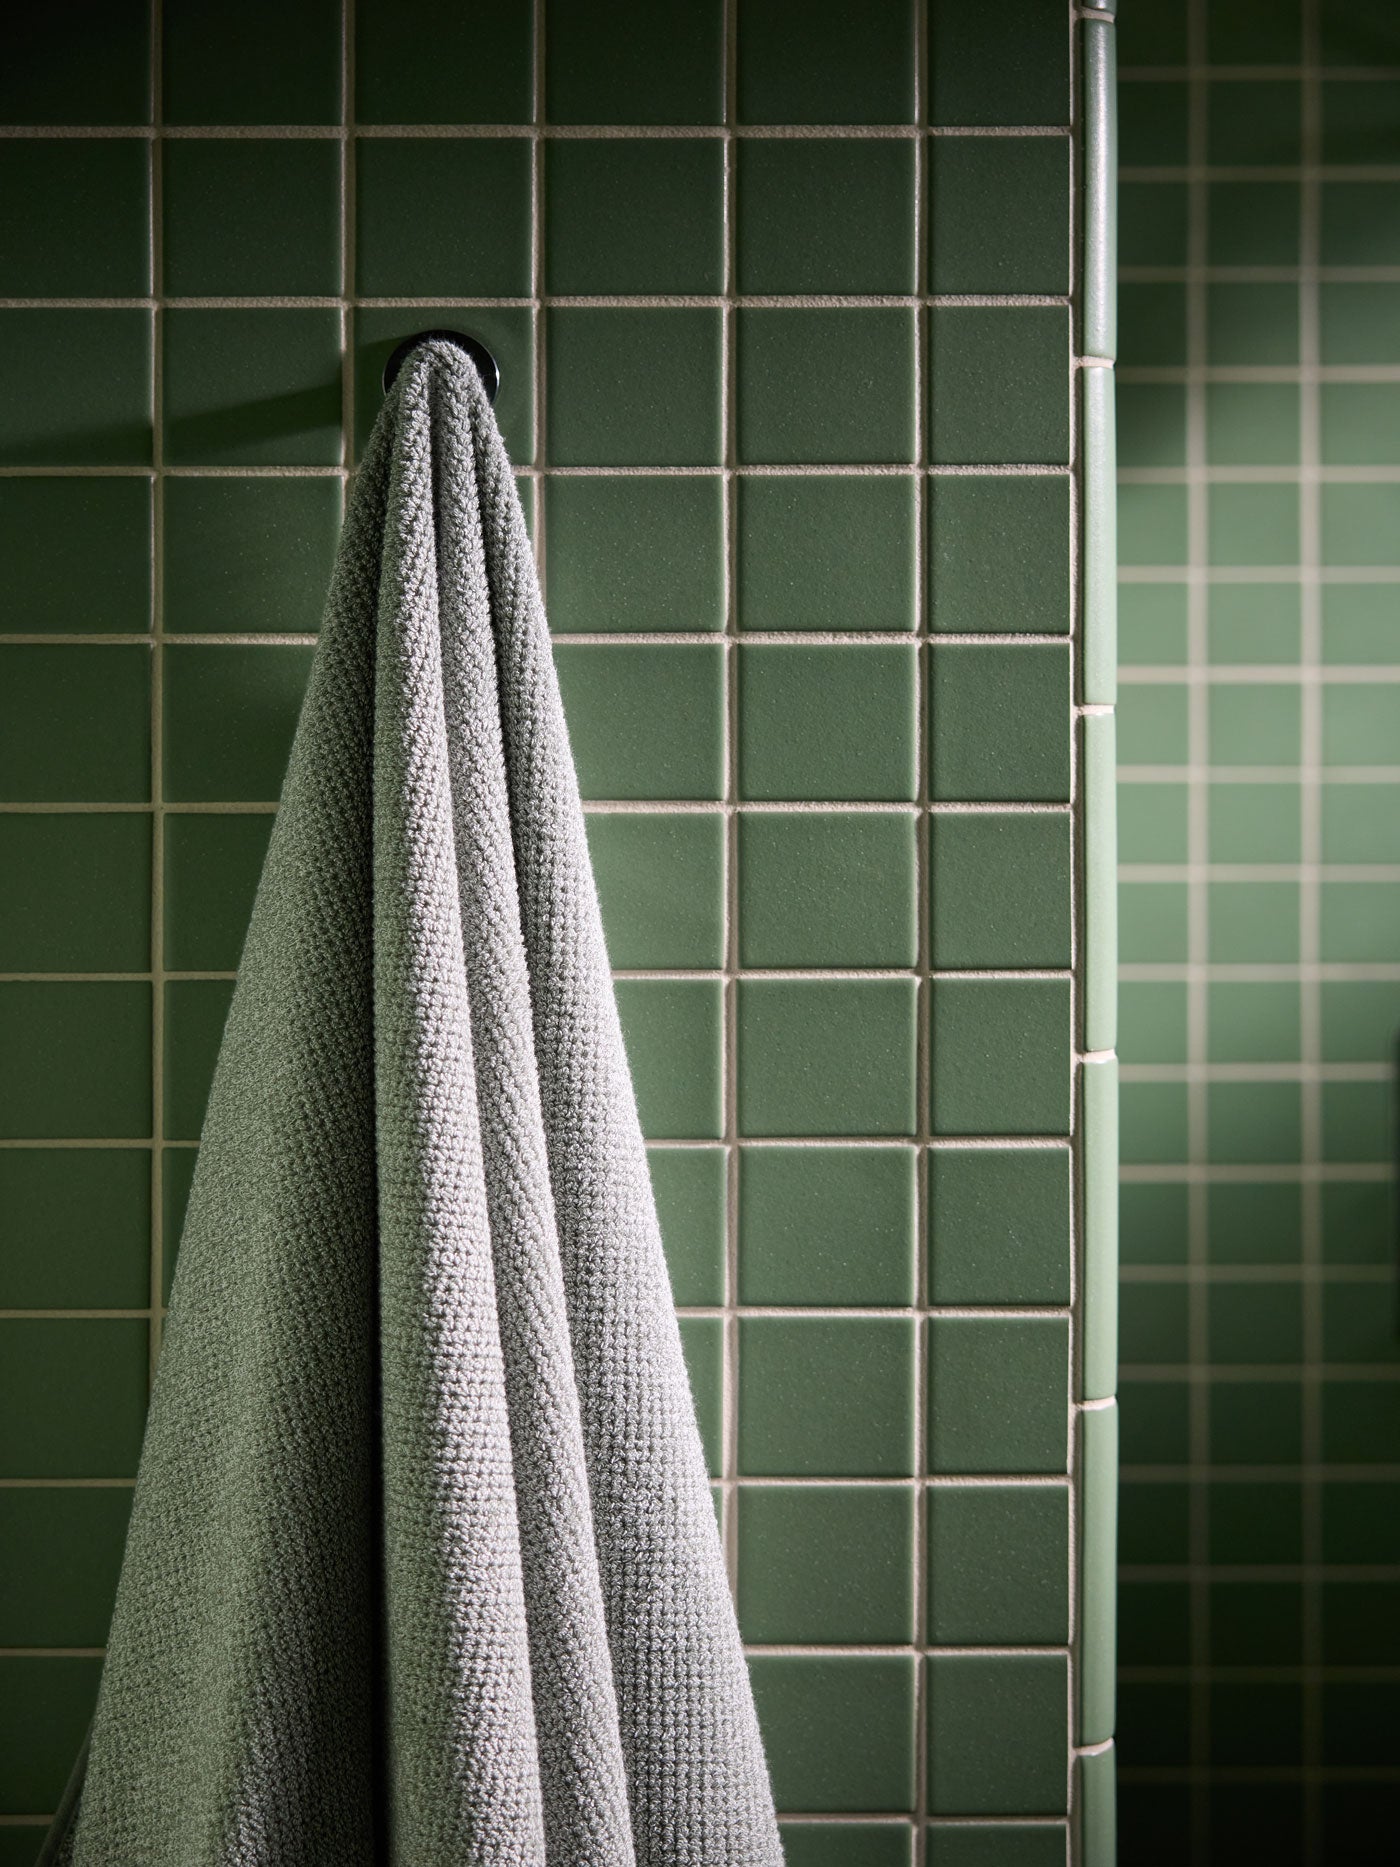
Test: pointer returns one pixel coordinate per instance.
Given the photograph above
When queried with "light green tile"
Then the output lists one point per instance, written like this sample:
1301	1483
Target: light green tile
1099	1353
1098	1553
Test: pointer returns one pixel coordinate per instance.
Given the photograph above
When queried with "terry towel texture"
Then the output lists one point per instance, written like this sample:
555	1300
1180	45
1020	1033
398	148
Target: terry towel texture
423	1567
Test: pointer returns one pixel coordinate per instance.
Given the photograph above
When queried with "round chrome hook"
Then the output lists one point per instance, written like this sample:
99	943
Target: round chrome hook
486	365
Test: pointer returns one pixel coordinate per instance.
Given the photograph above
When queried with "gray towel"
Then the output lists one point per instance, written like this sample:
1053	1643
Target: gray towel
423	1566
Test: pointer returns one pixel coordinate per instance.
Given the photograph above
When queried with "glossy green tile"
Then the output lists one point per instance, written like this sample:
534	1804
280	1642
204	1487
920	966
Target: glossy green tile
1254	623
1253	1122
1251	324
1096	1807
195	1010
1252	424
1359	723
1000	724
644	721
1009	70
794	408
827	888
1096	1617
47	1704
43	83
1358	623
1254	822
998	1565
1151	426
672	1031
1152	223
1358	425
77	553
1001	1056
1099	1118
79	892
634	388
1254	725
998	1730
634	63
995	1844
1359	1020
802	64
1098	323
75	388
1153	1222
412	238
660	880
997	384
249	555
826	1563
1256	1423
1151	525
90	1060
75	218
396	83
1098	681
251	217
506	330
1359	523
831	551
1359	223
1253	922
847	1844
999	214
80	1224
633	215
826	1397
64	1551
999	553
1359	323
1152	121
80	1386
230	713
1253	524
826	1056
252	388
217	69
998	1392
690	1185
1000	890
74	724
826	723
702	1341
1357	1122
212	866
826	1225
1252	223
999	1225
1254	1224
838	1731
1152	822
826	216
1360	921
1152	921
1253	1022
1356	1223
636	553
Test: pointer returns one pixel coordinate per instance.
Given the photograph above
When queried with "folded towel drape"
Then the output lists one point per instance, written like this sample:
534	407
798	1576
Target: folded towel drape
423	1567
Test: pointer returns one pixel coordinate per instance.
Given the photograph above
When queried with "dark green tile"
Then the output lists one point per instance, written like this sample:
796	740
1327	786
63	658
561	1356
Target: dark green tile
64	1553
1252	223
801	63
644	721
1152	35
826	1397
1151	425
821	1225
1251	324
75	218
998	1728
633	214
1252	1022
998	1565
1152	122
826	1056
88	1068
1356	1223
1360	322
999	214
672	1031
219	64
1358	1717
1360	223
1357	1122
999	553
80	1386
826	1563
1253	1724
396	83
1360	1521
1256	1522
1254	123
412	237
702	1342
827	551
1256	1423
1254	32
847	1844
996	1844
1253	1123
1359	1020
690	1185
795	408
1153	1521
634	388
1001	890
80	1222
1001	724
999	1225
74	724
839	1731
998	385
46	1704
1001	1056
43	83
1356	1327
79	892
1360	119
1153	218
1009	68
505	330
177	1177
1153	1324
75	388
636	553
1358	425
818	215
634	63
230	713
660	879
251	217
1153	1622
252	388
1252	1223
833	723
998	1390
77	553
195	1010
1252	424
249	555
827	888
1155	1430
1360	1419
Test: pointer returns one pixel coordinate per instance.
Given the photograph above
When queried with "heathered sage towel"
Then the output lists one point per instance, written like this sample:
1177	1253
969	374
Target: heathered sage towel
422	1567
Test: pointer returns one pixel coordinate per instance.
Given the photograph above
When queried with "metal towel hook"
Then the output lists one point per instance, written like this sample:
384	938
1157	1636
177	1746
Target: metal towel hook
487	367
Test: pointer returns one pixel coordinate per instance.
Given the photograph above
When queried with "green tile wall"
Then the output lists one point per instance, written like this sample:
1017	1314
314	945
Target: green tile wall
1258	762
790	310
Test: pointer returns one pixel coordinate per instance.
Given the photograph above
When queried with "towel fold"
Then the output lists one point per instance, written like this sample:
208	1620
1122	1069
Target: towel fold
423	1567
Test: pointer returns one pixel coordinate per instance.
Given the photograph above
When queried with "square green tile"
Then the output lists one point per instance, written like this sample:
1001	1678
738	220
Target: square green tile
1000	724
1249	1123
1152	1016
1359	723
1252	424
212	867
43	82
1153	323
1152	624
1243	32
1253	922
827	551
1251	1223
64	1551
1358	622
251	217
88	1068
690	1185
252	388
1255	1322
838	1730
1360	322
1253	1022
633	214
1360	922
1152	1222
1254	623
998	1565
800	63
1256	1521
1254	725
827	888
702	1343
45	1711
1357	1122
1359	1020
1152	922
1256	1423
1001	891
1154	1622
644	721
75	218
77	553
1153	1324
74	724
635	553
999	214
1360	1521
1152	122
999	1225
998	384
1151	525
996	1844
79	1221
1151	424
217	69
672	1031
826	1056
826	1397
230	713
1358	424
633	63
826	216
1253	524
826	1563
1254	822
1358	1623
1359	524
506	330
794	409
1153	218
249	555
827	723
999	553
80	1386
75	388
1359	223
1152	823
1001	1056
826	1225
998	1394
1253	123
1360	119
195	1011
660	879
1155	1430
998	1731
1252	223
396	83
1011	69
847	1844
1251	324
79	892
632	388
412	238
1153	1521
1359	1421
